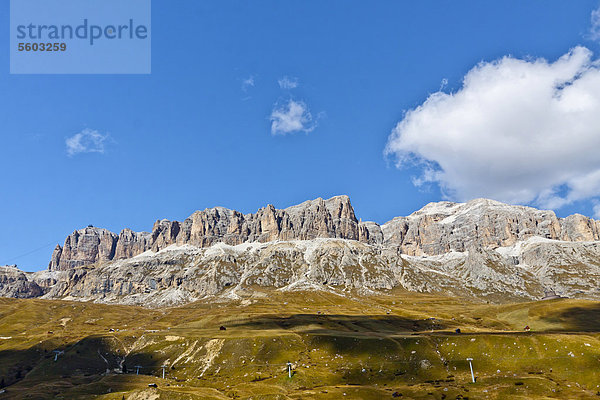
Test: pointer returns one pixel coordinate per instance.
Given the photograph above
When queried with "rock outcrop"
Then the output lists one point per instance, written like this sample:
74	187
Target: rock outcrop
15	283
332	218
442	227
130	243
83	247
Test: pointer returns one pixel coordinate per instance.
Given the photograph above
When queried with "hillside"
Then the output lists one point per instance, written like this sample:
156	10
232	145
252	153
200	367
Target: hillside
367	347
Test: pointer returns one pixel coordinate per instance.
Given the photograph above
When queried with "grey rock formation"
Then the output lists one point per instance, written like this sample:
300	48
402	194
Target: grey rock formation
332	218
578	228
83	247
442	227
54	264
130	243
180	274
370	232
15	283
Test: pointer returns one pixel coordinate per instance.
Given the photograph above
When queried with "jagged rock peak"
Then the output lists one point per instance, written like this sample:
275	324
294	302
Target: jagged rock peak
84	246
319	218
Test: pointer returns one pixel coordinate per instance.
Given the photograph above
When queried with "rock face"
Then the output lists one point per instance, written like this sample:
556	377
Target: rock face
481	248
85	246
130	243
181	274
333	218
442	227
14	283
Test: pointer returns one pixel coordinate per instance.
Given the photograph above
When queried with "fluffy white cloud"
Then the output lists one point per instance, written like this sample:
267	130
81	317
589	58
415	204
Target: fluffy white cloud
291	117
86	141
521	131
288	83
595	28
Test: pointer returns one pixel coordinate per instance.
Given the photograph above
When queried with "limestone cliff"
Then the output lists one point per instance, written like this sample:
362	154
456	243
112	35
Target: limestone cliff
15	283
442	227
332	218
181	274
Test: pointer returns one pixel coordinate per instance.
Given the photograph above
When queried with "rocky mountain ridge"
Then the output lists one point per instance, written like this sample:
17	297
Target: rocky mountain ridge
444	226
481	248
181	274
435	229
332	218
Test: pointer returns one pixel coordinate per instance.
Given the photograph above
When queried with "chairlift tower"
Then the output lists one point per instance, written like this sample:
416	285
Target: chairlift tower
57	353
471	365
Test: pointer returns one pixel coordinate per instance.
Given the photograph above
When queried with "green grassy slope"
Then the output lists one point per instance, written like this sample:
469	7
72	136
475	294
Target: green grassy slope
376	347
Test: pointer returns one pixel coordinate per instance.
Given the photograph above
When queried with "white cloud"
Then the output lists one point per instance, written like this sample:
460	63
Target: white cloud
594	33
247	83
288	83
443	84
86	141
290	117
597	210
520	131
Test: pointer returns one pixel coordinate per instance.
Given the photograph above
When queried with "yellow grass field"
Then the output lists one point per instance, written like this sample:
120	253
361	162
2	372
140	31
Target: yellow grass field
402	345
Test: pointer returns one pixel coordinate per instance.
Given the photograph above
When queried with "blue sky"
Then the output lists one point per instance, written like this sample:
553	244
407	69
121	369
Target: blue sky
212	125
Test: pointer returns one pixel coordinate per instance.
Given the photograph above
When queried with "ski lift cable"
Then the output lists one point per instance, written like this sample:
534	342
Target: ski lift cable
31	252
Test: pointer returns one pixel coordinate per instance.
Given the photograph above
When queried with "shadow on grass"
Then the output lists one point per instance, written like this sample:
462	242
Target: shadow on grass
37	372
577	319
321	323
351	335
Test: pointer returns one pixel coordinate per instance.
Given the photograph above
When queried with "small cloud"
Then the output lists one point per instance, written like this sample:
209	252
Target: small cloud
594	33
443	84
597	210
291	117
247	83
288	83
86	141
